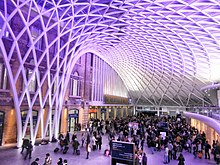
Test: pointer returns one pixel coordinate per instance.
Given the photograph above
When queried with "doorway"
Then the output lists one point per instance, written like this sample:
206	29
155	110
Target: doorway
2	118
73	120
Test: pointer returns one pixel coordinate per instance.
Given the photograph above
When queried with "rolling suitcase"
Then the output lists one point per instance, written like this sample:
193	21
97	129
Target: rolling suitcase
56	150
65	150
77	152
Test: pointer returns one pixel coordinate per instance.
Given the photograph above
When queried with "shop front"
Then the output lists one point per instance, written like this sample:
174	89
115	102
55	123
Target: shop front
93	113
211	134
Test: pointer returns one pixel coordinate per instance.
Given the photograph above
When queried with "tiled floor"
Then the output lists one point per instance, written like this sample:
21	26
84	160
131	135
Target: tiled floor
13	156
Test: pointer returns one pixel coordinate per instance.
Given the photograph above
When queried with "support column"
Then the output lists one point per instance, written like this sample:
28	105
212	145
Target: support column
218	97
80	118
64	119
98	112
85	116
107	113
121	112
115	112
134	110
158	111
9	132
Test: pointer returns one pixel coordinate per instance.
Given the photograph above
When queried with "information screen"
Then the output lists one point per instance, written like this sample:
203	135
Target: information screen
123	150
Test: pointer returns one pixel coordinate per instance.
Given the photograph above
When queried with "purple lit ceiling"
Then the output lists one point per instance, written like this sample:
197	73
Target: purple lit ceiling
165	51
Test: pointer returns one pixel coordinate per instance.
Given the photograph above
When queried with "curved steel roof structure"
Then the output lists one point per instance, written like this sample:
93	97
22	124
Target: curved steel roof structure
165	51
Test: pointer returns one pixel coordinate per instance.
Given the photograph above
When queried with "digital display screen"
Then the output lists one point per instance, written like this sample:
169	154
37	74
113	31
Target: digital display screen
123	151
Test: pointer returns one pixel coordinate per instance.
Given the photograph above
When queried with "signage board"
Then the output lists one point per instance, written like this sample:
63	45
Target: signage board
163	134
123	151
92	110
163	125
103	110
75	115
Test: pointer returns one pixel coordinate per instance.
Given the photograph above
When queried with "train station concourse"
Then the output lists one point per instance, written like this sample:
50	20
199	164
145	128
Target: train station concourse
134	81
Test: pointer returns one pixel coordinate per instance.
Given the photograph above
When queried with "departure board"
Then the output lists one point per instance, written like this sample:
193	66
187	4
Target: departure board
123	150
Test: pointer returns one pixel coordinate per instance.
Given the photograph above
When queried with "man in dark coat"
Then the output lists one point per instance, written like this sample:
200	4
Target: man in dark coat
29	150
144	159
207	148
75	146
24	144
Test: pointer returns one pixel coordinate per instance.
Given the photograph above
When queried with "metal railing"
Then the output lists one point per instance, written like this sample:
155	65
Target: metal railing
215	114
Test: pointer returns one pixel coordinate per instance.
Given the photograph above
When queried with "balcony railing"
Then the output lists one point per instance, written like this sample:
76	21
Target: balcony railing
215	114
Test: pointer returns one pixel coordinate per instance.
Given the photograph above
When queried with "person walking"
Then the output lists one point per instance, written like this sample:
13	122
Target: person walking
75	146
48	160
60	161
144	159
195	150
24	144
166	155
170	147
88	150
207	148
217	153
99	141
94	143
83	139
152	145
181	159
67	137
29	150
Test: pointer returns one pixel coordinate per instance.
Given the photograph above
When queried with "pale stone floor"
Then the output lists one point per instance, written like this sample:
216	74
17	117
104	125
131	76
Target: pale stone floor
12	156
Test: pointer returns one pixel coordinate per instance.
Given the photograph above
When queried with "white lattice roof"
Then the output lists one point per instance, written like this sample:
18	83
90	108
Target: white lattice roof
164	50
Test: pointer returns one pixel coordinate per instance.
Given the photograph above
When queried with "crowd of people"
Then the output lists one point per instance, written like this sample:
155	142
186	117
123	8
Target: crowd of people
170	135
